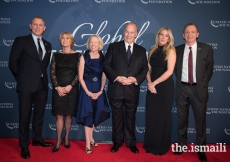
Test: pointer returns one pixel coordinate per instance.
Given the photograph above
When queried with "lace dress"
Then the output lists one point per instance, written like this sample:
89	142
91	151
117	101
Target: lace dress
64	71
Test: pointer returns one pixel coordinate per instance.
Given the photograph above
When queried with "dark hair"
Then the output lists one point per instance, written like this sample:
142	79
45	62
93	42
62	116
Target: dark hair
189	25
37	17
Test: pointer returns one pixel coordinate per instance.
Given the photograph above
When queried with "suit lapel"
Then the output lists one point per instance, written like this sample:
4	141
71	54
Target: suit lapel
198	57
34	52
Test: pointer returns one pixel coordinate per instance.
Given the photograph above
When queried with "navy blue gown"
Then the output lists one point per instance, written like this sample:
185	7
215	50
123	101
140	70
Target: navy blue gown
92	112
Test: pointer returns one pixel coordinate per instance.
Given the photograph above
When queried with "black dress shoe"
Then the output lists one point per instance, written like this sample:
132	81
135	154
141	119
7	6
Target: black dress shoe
25	153
202	156
115	147
147	151
56	149
42	143
178	152
134	149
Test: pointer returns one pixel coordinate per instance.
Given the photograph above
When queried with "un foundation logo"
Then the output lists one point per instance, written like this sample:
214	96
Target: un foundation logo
227	131
140	129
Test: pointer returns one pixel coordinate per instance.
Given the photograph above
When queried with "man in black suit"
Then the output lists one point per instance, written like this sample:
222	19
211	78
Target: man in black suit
193	89
29	58
125	66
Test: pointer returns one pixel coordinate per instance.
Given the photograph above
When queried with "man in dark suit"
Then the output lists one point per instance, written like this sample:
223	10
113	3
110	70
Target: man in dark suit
29	58
194	68
125	66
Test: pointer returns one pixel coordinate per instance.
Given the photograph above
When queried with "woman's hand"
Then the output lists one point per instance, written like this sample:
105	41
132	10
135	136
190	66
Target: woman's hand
151	87
61	91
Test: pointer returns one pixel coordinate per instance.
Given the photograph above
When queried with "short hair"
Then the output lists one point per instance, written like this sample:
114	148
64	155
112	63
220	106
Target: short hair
37	17
70	36
129	24
189	25
101	43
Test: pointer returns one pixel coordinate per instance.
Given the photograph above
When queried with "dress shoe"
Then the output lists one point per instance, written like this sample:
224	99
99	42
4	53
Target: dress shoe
42	143
178	152
25	153
134	149
66	146
202	156
147	151
115	147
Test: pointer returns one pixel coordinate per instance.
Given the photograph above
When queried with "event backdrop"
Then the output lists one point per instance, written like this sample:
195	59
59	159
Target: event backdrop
107	19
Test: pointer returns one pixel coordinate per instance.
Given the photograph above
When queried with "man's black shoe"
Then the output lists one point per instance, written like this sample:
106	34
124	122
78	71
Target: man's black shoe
115	147
202	156
134	149
42	143
25	153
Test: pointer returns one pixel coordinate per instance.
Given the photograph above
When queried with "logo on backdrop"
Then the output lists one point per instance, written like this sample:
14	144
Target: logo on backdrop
222	111
220	23
6	105
210	89
140	129
8	42
56	1
193	130
48	106
106	38
18	0
174	110
3	63
214	45
140	109
227	131
203	2
103	129
74	127
221	68
110	1
50	85
156	1
229	89
52	126
15	125
4	20
143	88
10	85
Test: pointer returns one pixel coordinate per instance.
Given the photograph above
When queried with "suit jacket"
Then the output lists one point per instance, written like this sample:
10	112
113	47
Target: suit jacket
117	64
204	68
25	64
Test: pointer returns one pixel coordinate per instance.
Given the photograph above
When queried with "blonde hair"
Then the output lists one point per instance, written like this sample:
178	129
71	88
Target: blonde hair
99	40
167	47
69	35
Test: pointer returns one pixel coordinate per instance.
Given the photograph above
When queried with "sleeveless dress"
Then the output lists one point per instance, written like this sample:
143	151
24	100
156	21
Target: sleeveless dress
64	71
92	112
158	121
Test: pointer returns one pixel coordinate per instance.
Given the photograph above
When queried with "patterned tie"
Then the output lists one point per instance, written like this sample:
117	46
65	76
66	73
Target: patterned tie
129	52
40	53
190	67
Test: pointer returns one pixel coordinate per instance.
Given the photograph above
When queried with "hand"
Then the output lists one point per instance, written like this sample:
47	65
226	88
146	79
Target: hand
151	87
96	95
61	91
132	80
67	88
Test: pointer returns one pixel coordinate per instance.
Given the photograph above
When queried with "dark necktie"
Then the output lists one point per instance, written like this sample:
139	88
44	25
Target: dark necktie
129	52
40	53
190	67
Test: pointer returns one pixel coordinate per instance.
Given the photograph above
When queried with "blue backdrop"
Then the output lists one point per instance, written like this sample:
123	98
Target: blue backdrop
107	18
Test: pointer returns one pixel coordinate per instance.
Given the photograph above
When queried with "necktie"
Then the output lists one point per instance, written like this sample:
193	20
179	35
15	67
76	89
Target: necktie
40	53
129	52
190	67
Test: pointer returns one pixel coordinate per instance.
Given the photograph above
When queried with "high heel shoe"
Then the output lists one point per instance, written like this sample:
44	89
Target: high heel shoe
93	144
55	149
66	146
88	151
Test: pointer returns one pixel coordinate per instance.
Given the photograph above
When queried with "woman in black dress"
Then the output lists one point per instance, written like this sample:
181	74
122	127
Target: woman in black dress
159	99
64	75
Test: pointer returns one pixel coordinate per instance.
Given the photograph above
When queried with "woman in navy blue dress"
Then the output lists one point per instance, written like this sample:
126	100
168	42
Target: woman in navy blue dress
93	107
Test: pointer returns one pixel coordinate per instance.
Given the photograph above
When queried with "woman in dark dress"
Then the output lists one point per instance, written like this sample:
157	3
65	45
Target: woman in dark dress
64	75
93	107
159	99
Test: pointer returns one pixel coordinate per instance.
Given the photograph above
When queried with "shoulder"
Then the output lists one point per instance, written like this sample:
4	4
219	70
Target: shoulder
200	44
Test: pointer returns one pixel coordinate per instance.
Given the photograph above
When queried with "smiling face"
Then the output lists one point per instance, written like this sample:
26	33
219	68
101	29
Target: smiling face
130	33
190	34
94	44
66	40
37	27
163	37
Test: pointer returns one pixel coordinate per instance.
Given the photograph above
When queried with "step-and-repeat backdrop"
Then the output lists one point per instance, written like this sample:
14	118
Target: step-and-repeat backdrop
107	19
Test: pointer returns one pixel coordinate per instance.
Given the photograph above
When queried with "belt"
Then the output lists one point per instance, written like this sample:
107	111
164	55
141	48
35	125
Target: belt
92	79
188	84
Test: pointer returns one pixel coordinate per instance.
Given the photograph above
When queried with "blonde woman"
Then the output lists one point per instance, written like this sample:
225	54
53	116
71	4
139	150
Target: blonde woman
160	94
93	107
64	74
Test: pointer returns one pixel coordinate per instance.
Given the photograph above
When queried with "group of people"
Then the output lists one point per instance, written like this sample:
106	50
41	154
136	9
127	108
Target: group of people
126	66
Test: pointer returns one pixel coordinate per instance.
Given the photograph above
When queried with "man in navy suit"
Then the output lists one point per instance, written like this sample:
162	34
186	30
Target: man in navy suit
30	71
125	66
193	93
